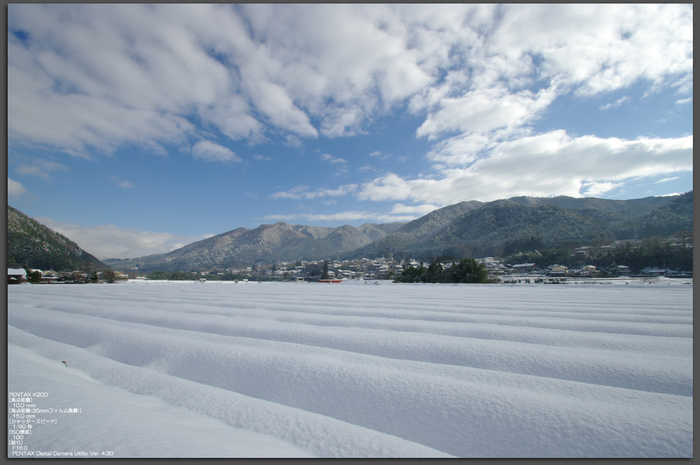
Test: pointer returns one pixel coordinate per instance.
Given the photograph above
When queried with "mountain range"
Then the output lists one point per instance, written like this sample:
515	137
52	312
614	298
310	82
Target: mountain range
466	229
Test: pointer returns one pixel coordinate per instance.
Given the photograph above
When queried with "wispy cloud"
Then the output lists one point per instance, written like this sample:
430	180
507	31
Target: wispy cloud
341	164
595	189
666	179
303	192
110	241
379	154
614	104
209	151
263	158
419	210
40	168
349	215
15	189
332	159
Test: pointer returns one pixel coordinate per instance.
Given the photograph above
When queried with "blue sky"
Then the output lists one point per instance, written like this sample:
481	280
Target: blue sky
136	129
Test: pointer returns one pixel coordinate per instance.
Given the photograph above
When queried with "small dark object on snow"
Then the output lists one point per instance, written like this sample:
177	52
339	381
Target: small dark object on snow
64	362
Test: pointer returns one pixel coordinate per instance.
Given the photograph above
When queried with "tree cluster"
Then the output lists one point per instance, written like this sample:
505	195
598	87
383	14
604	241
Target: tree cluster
173	275
463	271
652	252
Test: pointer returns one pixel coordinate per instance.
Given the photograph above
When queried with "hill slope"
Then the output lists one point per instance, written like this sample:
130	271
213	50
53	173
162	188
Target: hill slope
34	245
479	229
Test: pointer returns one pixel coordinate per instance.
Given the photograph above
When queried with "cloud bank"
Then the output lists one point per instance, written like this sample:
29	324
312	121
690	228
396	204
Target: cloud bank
110	241
88	79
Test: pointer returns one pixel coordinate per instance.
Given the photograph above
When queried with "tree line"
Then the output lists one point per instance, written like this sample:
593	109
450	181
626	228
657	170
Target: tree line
652	252
466	270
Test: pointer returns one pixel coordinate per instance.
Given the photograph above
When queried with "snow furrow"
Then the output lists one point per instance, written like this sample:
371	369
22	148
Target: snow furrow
670	373
469	389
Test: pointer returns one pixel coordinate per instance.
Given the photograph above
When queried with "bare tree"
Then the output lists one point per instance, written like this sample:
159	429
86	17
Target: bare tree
109	276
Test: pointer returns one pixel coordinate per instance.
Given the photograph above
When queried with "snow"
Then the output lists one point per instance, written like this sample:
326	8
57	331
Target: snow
218	369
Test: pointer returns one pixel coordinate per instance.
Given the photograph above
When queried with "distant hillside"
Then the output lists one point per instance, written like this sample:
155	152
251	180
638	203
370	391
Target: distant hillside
466	229
405	239
267	243
668	219
346	238
35	246
479	229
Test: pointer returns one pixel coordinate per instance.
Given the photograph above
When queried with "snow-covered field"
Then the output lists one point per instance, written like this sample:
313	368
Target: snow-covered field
162	369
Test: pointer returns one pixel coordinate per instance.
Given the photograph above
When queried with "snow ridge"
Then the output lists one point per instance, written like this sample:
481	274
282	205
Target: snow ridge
391	370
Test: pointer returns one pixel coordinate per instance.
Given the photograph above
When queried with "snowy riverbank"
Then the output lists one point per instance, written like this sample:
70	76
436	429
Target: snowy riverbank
356	370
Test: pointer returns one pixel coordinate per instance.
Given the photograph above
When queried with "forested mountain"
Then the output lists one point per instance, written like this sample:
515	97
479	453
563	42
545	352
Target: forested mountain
464	230
475	229
33	245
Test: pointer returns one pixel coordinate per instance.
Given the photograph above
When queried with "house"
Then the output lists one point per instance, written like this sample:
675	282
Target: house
623	269
16	274
655	271
587	271
558	270
79	276
49	277
524	267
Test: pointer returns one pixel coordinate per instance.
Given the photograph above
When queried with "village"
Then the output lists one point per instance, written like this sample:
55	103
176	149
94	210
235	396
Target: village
359	269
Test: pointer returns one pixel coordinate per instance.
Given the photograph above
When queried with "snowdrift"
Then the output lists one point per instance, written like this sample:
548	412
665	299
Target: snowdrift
351	370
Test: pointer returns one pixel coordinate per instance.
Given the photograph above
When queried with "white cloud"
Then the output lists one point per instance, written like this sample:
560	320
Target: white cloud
419	210
596	189
673	178
615	104
294	193
542	165
131	73
92	78
350	215
460	150
125	185
209	151
533	53
263	157
332	159
381	155
302	192
599	48
40	168
15	189
109	241
485	110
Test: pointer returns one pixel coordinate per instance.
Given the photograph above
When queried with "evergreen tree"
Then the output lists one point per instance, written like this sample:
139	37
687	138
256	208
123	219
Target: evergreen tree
34	277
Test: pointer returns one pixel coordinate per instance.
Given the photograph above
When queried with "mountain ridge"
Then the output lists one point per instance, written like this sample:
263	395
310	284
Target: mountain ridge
469	228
